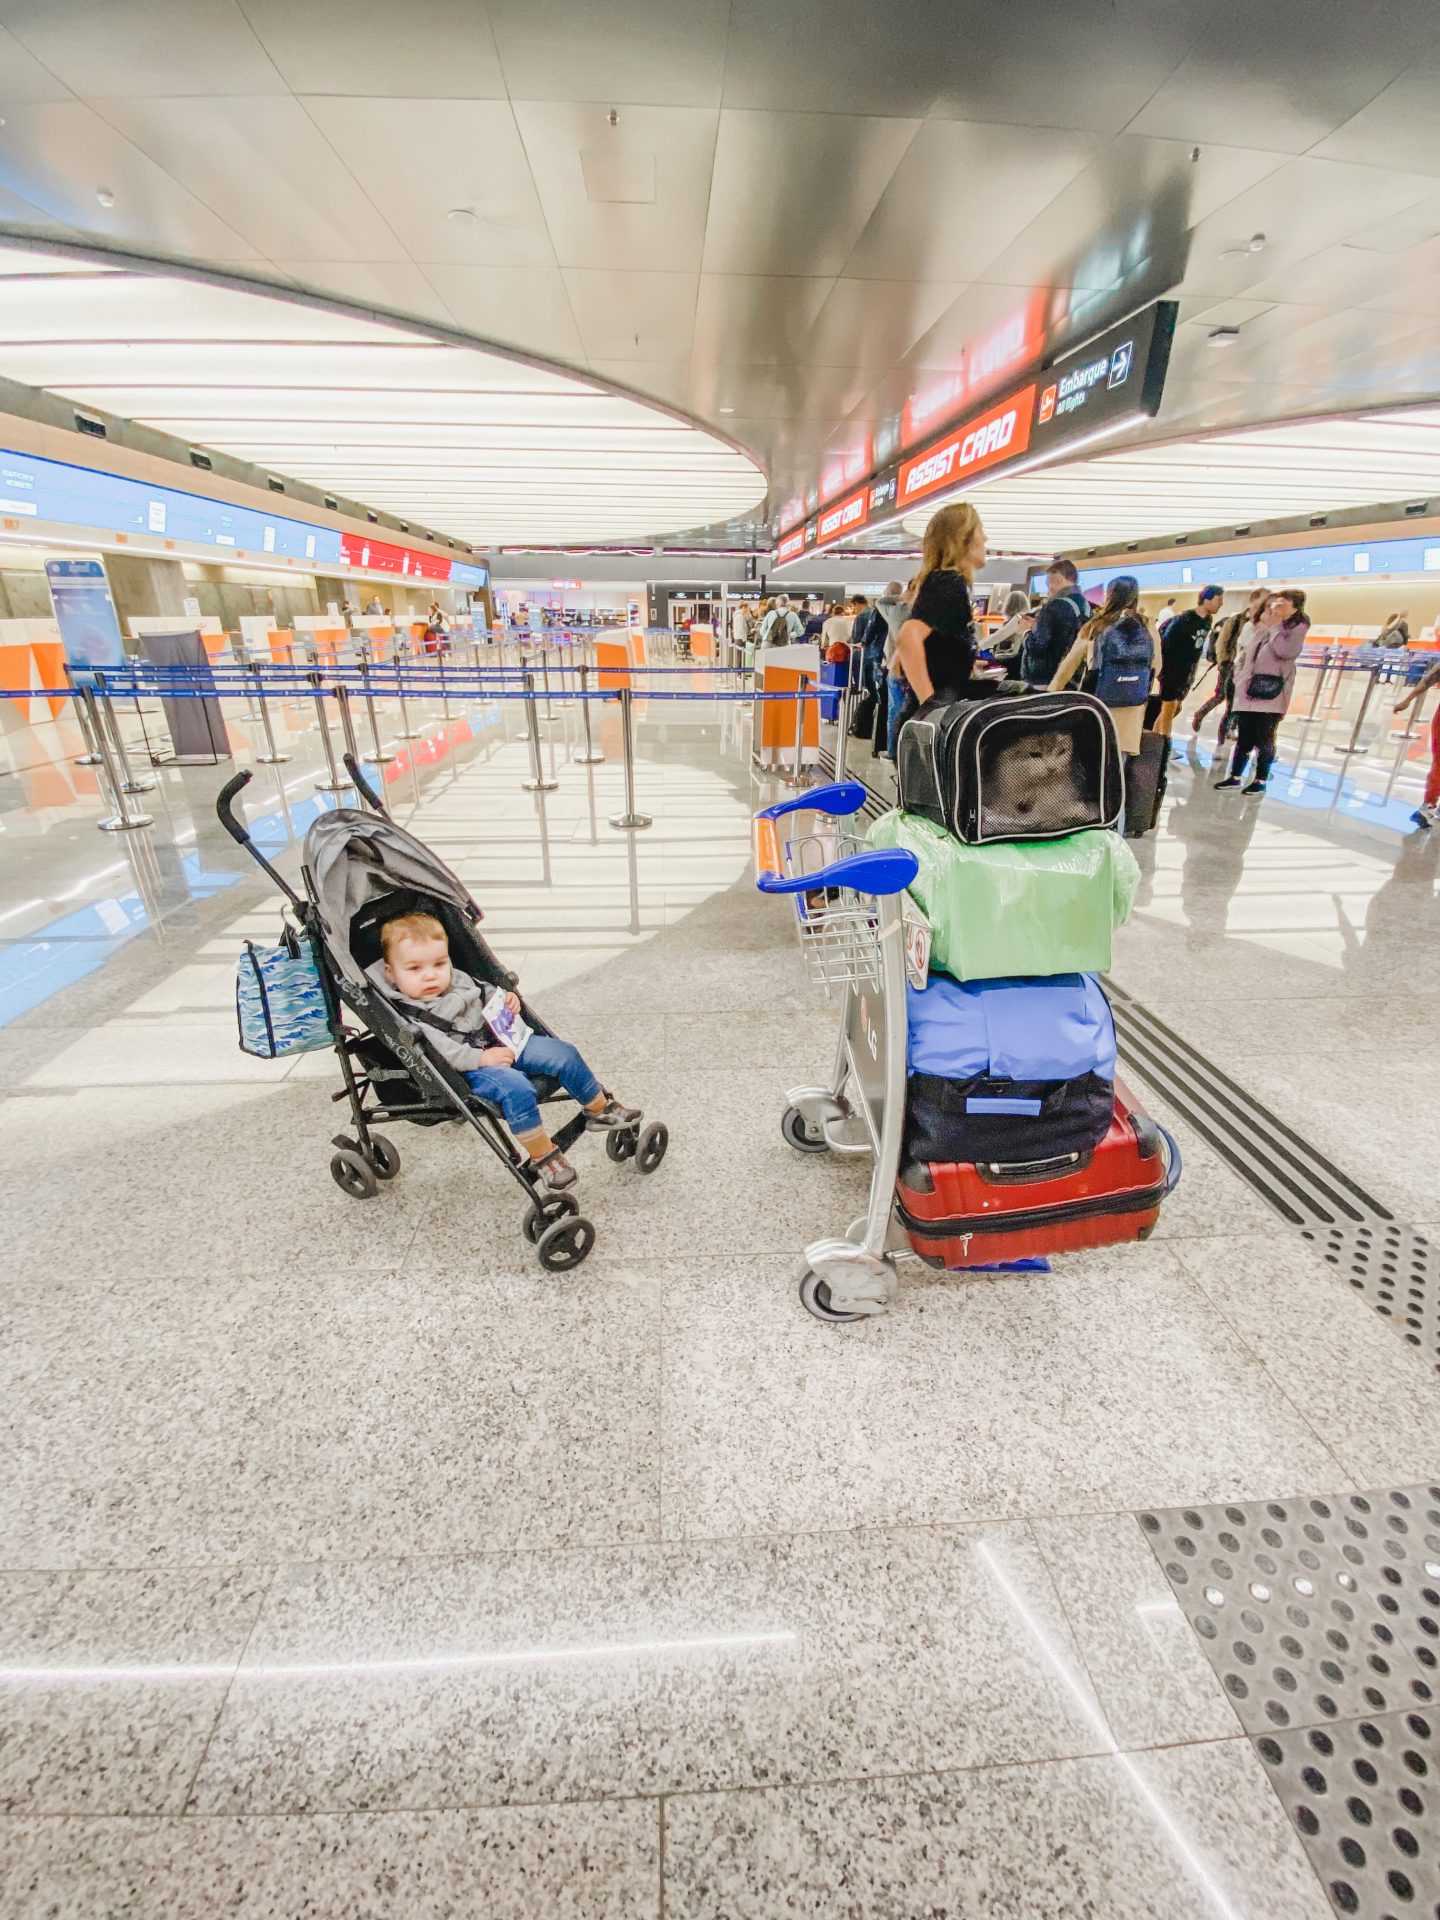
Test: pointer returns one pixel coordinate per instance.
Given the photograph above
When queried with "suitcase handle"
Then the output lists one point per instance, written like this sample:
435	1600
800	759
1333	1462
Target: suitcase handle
1025	1173
1174	1166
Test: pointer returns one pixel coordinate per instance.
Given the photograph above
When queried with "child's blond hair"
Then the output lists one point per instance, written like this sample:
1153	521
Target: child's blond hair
411	926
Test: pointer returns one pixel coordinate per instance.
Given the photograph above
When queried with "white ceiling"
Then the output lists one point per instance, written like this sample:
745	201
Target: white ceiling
1225	480
806	212
449	437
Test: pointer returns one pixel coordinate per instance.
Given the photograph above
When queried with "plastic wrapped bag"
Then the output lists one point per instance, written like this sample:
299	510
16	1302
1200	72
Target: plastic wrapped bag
1025	907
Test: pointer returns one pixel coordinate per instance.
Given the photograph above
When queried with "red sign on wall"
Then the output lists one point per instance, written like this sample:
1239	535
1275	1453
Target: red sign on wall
792	544
997	435
377	556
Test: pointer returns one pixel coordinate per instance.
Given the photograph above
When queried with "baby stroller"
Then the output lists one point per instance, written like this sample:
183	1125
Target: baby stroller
360	870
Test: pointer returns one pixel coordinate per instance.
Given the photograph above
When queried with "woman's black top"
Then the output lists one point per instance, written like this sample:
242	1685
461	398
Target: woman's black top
943	603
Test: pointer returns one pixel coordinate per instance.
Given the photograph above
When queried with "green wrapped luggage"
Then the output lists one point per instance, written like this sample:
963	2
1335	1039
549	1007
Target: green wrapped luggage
1022	907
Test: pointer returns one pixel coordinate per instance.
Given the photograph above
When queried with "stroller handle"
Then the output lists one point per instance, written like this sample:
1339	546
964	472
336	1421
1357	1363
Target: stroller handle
362	786
240	833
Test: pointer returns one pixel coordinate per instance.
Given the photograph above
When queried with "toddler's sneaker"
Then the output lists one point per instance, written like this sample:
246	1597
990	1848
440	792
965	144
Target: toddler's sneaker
613	1115
556	1172
1424	816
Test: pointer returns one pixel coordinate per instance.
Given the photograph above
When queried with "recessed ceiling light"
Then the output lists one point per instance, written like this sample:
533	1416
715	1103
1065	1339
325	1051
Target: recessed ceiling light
726	409
105	196
1223	336
462	216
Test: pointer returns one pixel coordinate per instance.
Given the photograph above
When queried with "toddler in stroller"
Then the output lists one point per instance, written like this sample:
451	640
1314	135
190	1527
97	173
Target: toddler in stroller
365	884
415	970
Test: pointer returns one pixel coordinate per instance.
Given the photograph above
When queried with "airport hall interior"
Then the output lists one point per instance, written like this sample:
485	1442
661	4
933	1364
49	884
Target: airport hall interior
719	827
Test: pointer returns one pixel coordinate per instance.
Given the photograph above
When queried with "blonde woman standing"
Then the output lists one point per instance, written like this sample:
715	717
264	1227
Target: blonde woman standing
936	647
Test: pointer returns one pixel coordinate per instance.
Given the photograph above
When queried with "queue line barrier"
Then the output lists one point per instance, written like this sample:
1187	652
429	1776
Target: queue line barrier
95	694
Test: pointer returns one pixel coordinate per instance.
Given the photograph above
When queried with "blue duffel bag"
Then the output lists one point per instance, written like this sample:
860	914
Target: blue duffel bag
1008	1070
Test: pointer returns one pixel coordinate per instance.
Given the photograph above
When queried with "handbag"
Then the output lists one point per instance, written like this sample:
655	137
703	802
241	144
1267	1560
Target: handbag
1265	686
280	1001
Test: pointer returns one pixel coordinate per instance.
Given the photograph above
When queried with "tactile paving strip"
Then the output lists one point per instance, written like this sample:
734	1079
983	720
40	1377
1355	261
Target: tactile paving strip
1397	1270
1365	1799
1321	1618
1312	1610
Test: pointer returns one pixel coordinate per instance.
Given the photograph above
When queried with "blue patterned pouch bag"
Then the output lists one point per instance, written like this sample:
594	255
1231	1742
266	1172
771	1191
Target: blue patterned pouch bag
279	999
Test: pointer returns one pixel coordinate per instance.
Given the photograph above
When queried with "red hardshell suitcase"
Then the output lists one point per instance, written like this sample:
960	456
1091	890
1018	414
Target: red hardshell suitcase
968	1215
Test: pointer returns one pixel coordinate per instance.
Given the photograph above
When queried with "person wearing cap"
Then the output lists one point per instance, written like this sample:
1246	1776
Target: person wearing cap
1057	621
1182	642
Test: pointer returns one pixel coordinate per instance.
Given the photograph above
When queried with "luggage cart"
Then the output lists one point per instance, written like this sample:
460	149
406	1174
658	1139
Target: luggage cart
854	923
849	912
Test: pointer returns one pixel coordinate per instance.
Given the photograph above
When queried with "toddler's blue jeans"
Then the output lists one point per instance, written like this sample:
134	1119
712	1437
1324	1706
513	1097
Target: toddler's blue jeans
512	1091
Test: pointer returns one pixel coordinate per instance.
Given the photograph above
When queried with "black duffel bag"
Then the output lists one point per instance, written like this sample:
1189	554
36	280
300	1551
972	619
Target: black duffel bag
989	1120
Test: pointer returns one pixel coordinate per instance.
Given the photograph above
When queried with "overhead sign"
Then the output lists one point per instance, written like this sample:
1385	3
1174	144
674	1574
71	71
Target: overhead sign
85	613
1115	380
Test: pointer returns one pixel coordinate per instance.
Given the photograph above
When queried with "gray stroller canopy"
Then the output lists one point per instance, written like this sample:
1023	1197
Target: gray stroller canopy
351	858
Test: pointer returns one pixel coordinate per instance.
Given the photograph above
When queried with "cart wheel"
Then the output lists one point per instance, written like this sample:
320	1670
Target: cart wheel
653	1143
815	1297
353	1174
565	1243
799	1132
556	1207
620	1144
384	1157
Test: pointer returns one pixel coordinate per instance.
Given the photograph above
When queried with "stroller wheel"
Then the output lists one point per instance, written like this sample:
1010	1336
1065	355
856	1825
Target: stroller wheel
353	1174
559	1206
384	1157
620	1144
653	1143
798	1131
565	1243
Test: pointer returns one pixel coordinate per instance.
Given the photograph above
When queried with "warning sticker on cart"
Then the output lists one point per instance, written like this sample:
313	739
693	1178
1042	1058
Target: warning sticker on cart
917	943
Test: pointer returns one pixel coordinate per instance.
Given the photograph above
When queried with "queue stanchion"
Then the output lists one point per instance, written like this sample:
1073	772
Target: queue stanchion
92	757
592	756
631	820
122	820
1352	745
842	730
538	784
444	690
128	782
1319	685
272	756
334	784
407	732
378	753
347	722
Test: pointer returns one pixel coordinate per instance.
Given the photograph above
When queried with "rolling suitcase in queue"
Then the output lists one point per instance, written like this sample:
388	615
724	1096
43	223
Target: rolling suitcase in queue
1146	776
962	1214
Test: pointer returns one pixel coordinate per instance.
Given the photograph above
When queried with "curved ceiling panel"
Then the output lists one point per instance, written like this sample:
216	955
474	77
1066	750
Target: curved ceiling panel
1228	480
478	446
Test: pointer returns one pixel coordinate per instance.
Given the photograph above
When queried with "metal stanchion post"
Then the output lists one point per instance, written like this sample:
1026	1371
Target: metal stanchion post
630	820
272	756
444	689
91	756
797	771
1352	745
545	678
122	820
379	755
1319	685
539	784
407	732
347	722
334	784
592	756
128	782
842	731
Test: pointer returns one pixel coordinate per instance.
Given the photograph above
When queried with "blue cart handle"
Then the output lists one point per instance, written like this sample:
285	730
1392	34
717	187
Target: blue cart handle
880	870
843	796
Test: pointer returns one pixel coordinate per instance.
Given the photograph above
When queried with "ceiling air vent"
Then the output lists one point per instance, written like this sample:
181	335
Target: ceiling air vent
1319	519
201	460
1415	507
373	518
1182	539
275	486
334	505
86	423
1240	531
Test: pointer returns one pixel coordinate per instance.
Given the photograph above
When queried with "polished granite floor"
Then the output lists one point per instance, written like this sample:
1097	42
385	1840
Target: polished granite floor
355	1567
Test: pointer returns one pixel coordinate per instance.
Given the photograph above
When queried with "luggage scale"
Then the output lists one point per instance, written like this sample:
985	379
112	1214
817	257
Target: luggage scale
861	935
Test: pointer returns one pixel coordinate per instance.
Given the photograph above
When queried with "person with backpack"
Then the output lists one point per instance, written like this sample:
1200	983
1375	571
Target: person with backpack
1223	646
1265	670
1057	621
1117	650
782	626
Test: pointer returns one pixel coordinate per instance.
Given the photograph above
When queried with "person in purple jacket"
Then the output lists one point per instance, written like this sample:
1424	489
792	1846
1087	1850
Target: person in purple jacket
1264	681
